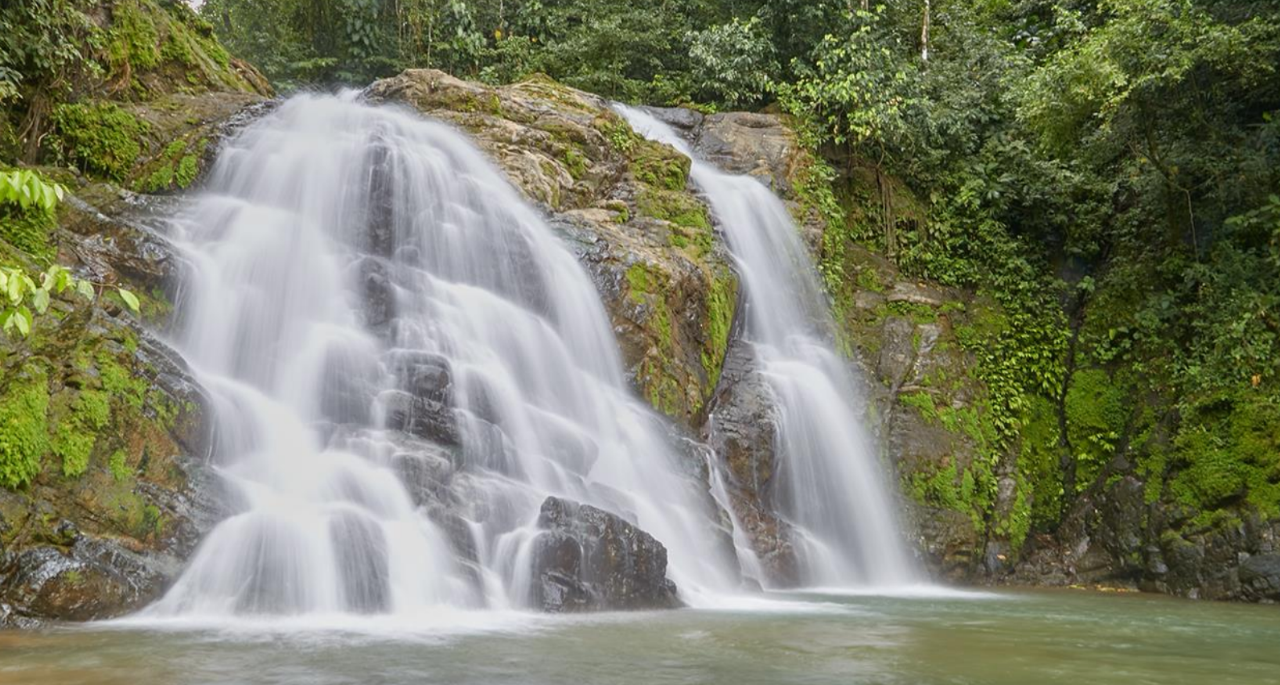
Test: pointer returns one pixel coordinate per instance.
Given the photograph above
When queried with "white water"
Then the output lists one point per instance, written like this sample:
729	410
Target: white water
311	208
833	492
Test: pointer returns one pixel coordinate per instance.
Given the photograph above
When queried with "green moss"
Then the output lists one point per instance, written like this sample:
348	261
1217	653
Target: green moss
917	312
660	166
618	133
119	466
121	384
159	179
938	488
720	303
1095	413
101	138
576	163
663	392
28	231
869	279
24	407
678	207
74	447
923	403
660	387
1038	469
187	169
623	214
1019	521
77	429
172	169
152	520
133	43
177	48
641	281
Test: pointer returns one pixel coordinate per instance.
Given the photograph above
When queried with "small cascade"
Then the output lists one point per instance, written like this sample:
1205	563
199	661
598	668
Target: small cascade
832	490
404	363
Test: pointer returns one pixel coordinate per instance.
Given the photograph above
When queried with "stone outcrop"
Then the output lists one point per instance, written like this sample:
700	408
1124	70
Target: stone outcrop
123	494
589	560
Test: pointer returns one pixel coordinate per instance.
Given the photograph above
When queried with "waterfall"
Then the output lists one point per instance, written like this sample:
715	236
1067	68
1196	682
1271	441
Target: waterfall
403	362
832	492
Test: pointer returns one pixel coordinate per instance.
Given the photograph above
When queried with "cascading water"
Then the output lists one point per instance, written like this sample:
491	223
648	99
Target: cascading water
403	362
833	494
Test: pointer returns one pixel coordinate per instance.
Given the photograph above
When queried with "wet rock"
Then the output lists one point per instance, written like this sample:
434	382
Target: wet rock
90	581
107	540
590	560
684	121
377	293
424	375
741	428
420	416
1260	578
125	246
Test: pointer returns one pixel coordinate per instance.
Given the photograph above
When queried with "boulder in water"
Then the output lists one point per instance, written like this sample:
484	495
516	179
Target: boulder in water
590	560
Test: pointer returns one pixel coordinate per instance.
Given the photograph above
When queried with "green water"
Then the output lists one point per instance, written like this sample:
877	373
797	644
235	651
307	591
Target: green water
1035	638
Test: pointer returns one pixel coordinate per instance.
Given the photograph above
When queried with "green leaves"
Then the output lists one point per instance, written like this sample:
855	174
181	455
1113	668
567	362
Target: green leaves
20	294
733	63
17	318
27	190
129	299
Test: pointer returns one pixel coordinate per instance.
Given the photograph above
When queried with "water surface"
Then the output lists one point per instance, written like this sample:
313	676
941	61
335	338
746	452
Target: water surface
1021	638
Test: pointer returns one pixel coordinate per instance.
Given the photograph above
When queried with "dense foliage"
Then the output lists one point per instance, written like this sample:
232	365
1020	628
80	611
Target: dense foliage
1107	172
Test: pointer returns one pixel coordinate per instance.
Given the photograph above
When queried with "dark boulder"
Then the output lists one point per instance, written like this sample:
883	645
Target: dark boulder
423	375
1260	578
425	418
590	560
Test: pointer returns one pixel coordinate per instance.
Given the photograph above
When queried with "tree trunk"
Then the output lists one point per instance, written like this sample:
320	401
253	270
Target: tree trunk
924	34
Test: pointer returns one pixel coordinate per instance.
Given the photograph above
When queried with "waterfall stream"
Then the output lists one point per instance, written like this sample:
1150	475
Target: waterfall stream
832	493
404	362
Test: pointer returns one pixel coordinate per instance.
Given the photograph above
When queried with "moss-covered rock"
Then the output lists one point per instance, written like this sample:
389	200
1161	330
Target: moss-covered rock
102	492
627	205
102	488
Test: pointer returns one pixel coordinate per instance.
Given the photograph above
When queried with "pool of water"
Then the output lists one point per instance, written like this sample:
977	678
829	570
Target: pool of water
1023	638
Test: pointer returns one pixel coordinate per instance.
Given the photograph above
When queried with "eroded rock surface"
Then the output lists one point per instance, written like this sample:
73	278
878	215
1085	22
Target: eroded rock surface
588	560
